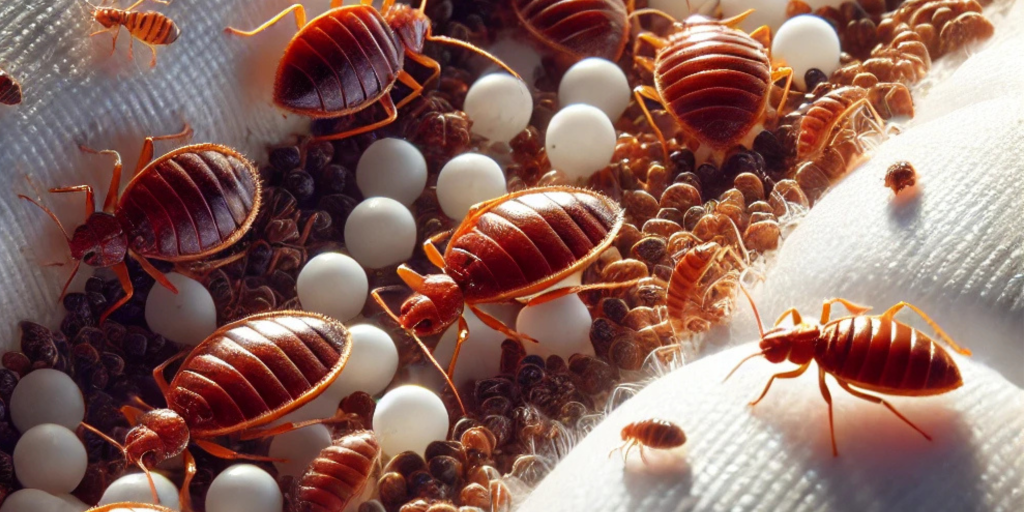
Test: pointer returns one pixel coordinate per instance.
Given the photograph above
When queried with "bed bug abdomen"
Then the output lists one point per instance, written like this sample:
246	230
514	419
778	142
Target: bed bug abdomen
337	475
580	28
10	89
654	433
152	27
823	115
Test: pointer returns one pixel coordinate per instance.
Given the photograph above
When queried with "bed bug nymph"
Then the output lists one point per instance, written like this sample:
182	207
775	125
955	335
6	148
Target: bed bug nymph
184	206
577	28
899	176
873	352
10	89
687	292
338	475
350	57
150	28
652	433
827	113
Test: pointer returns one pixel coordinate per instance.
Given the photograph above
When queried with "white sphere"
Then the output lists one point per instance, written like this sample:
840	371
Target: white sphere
33	500
562	327
596	82
372	364
766	12
466	180
50	458
806	42
380	232
72	504
186	317
46	396
409	418
134	487
323	406
392	168
244	488
500	106
480	356
580	141
299	447
333	284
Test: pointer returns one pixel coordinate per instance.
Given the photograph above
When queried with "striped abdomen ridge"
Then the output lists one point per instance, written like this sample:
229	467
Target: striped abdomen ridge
151	27
686	277
337	475
581	28
715	81
822	116
190	203
887	357
10	89
339	63
257	366
657	433
527	239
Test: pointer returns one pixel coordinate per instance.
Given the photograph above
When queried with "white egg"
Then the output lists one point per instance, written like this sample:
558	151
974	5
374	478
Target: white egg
46	396
73	504
596	82
323	406
480	356
380	232
50	458
392	168
134	487
806	42
679	10
186	317
33	500
500	106
766	12
299	447
371	366
466	180
409	418
244	488
580	141
333	284
561	326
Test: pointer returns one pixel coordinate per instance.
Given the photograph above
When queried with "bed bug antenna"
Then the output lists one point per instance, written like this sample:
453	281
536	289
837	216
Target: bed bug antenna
473	48
760	329
119	446
78	263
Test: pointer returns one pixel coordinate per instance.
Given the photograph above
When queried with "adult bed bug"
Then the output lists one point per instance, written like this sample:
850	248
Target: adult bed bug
873	352
350	57
150	28
10	89
338	474
577	28
652	433
184	206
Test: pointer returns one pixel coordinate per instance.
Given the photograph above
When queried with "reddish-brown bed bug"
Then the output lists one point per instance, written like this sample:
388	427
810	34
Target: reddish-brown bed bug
652	433
872	352
338	474
577	28
150	28
129	507
184	206
10	89
826	113
688	289
350	57
899	176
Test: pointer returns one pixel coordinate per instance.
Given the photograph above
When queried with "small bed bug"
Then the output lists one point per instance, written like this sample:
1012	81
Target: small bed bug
652	433
338	474
150	28
900	175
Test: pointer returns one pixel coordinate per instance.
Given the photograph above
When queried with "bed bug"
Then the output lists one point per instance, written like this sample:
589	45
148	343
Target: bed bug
243	376
129	507
350	57
713	78
826	113
505	250
10	89
687	292
184	206
577	28
900	176
150	28
337	475
872	352
652	433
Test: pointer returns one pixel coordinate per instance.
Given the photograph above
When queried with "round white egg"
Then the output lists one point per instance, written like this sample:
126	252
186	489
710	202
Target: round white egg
580	141
561	326
806	42
372	364
299	447
188	316
323	406
333	284
766	12
480	355
46	396
380	232
72	503
392	168
244	488
500	106
596	82
409	418
467	180
679	10
134	487
33	500
50	458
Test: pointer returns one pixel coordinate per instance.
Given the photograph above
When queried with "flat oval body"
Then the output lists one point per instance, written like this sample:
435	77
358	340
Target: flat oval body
10	89
580	28
715	81
338	475
822	116
886	357
687	275
129	507
655	433
339	63
253	371
521	243
152	27
190	203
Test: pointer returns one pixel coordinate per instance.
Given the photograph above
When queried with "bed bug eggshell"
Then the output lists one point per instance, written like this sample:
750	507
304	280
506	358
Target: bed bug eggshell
371	366
467	180
596	82
244	488
500	106
333	284
50	458
806	42
46	396
33	500
188	316
380	232
580	141
409	418
392	168
134	487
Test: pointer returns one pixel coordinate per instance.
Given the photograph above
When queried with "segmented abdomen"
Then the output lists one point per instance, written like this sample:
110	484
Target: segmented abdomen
190	203
887	357
252	371
581	28
337	475
656	433
715	81
339	63
152	27
10	89
683	286
525	239
822	116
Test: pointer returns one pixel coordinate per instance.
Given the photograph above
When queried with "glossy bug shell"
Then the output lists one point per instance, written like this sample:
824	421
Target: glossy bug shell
822	116
523	242
580	28
151	27
337	475
339	63
129	507
655	433
253	371
10	89
715	81
190	203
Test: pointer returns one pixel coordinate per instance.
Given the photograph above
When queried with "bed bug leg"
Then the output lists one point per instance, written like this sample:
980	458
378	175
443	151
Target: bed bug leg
467	46
300	21
389	107
783	375
410	82
425	61
572	290
828	400
115	182
797	319
878	400
131	414
119	446
433	254
185	494
90	202
463	335
763	35
826	308
158	372
284	428
147	147
153	271
655	12
121	271
645	91
222	452
891	312
498	325
780	72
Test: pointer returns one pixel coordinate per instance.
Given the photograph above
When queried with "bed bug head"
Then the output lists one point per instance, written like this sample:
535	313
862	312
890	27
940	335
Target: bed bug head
411	25
107	16
99	242
437	303
160	434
